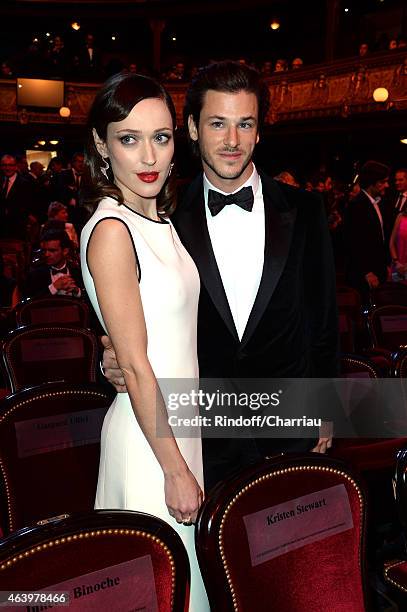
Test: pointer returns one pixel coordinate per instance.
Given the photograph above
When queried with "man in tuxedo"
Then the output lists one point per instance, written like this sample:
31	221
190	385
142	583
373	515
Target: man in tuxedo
87	60
55	276
400	180
70	181
16	200
69	184
267	303
367	229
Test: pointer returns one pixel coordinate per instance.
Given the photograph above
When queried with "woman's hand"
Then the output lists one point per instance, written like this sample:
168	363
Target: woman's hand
183	496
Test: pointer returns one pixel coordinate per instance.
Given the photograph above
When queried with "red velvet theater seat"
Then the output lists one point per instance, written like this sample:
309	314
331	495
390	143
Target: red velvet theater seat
49	451
395	572
389	293
107	559
366	454
388	327
37	354
52	310
264	546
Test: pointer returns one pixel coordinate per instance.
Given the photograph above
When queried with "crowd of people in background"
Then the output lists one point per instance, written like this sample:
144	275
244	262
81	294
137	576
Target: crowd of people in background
42	207
85	61
36	201
367	219
54	59
394	44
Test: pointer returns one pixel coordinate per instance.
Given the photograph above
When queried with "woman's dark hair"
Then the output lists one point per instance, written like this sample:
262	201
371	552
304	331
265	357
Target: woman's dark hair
228	77
114	102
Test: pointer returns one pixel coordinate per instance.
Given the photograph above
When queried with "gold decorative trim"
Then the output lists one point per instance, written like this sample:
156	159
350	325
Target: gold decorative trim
8	496
315	468
361	363
94	534
390	566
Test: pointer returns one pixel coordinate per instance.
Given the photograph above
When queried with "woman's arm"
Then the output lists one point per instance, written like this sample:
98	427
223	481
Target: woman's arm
112	262
393	239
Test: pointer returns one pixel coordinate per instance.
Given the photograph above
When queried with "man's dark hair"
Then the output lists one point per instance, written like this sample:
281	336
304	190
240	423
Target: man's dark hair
76	155
60	235
371	172
228	77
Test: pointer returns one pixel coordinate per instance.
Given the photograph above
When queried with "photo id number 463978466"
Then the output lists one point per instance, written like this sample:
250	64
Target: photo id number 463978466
21	598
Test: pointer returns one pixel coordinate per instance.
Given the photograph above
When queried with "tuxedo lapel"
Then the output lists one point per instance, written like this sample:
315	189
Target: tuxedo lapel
279	223
191	224
371	211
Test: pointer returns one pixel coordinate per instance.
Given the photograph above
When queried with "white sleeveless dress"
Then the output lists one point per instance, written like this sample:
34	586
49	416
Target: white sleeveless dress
130	477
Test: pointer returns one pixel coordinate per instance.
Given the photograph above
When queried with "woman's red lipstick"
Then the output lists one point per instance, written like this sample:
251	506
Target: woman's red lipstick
148	177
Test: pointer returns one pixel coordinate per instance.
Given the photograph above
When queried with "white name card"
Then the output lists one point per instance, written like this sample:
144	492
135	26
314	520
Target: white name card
128	586
295	523
52	433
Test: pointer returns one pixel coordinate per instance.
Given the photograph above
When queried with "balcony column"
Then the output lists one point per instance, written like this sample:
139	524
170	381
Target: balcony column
157	26
331	27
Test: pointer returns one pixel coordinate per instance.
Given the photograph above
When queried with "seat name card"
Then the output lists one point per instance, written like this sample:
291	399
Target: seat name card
59	314
393	323
56	432
126	586
48	349
297	522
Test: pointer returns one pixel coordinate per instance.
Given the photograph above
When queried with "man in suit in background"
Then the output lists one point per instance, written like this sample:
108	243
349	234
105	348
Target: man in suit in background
70	181
400	180
367	227
267	304
69	184
87	60
55	276
16	200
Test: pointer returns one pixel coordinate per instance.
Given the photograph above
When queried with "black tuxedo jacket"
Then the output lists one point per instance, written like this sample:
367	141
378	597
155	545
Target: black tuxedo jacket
39	278
366	250
66	184
292	328
15	208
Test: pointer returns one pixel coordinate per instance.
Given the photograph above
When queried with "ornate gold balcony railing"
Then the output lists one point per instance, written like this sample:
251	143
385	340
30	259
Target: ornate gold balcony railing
340	89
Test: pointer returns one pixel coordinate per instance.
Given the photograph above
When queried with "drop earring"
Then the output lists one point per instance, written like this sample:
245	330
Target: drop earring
170	170
105	168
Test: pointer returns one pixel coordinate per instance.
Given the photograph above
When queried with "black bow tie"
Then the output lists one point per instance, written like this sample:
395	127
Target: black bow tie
63	270
243	198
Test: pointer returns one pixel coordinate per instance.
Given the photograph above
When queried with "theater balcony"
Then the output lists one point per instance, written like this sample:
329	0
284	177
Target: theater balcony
339	90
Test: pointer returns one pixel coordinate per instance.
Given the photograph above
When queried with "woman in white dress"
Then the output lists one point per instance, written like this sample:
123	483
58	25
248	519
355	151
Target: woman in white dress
144	288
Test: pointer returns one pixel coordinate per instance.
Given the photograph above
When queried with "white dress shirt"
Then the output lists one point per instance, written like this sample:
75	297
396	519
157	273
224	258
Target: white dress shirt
54	276
401	200
375	202
10	182
238	238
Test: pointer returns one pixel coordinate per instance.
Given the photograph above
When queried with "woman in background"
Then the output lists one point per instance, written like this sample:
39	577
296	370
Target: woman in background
398	248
